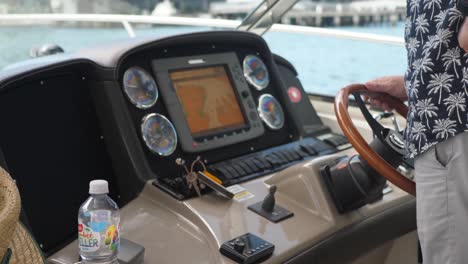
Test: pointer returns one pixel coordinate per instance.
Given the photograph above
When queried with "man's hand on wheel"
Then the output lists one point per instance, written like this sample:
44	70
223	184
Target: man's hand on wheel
391	85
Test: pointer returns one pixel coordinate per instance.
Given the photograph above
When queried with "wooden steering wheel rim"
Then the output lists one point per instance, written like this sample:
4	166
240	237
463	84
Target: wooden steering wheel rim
358	142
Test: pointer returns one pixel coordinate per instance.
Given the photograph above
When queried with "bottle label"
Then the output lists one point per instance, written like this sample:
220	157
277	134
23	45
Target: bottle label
112	237
88	239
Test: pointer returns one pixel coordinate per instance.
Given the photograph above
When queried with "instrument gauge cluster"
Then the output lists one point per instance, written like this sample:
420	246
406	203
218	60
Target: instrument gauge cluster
157	131
159	134
255	72
140	87
270	111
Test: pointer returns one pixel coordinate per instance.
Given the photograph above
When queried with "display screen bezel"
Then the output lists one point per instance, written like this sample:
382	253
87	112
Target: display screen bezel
188	142
199	136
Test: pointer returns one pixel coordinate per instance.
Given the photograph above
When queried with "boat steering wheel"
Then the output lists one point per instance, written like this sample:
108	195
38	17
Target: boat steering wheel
387	143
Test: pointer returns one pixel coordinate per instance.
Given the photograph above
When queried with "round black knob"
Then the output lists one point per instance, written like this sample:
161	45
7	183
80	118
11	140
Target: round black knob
269	201
272	189
239	246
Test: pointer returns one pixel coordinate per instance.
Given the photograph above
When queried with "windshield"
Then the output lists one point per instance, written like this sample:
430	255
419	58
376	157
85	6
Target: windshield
324	63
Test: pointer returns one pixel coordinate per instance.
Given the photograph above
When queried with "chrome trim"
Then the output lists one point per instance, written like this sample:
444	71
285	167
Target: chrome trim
135	102
341	34
265	15
128	27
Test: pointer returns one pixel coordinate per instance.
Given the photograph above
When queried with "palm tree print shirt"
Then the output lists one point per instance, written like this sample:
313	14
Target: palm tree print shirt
437	77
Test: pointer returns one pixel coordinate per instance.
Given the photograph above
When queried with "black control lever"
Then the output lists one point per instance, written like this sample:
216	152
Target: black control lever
269	201
269	209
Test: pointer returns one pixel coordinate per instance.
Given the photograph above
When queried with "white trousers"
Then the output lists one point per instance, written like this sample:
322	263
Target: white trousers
442	201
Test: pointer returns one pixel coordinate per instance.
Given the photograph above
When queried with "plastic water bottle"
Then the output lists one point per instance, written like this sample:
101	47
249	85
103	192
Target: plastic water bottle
99	226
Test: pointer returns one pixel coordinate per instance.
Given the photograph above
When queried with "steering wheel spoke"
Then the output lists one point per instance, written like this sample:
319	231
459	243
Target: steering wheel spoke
376	127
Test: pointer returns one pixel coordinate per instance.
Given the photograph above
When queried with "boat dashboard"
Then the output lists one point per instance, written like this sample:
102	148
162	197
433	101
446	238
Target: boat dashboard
145	113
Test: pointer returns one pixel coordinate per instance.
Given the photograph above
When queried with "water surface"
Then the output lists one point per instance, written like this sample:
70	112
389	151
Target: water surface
324	64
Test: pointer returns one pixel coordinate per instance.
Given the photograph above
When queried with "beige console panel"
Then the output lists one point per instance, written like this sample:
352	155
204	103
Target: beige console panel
192	231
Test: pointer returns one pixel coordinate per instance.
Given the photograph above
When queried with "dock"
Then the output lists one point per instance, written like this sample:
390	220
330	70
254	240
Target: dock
320	14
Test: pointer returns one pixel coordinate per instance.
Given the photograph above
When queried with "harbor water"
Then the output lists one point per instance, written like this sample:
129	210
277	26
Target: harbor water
324	64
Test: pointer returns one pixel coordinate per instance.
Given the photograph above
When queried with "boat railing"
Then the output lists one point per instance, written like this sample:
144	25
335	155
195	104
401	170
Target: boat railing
127	20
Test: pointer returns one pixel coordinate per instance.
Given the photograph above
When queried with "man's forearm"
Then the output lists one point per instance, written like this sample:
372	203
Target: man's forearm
463	35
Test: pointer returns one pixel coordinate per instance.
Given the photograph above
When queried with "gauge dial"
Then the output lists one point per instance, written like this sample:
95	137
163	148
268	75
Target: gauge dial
140	87
159	134
256	72
270	111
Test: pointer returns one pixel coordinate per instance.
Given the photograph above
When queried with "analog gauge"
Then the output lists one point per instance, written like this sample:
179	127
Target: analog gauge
256	72
159	134
270	111
140	87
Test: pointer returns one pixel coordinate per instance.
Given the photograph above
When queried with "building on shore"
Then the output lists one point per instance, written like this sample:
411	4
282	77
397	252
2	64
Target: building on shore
192	6
3	8
164	8
92	7
309	13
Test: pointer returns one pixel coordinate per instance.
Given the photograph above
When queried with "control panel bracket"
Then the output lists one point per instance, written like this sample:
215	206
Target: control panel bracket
277	215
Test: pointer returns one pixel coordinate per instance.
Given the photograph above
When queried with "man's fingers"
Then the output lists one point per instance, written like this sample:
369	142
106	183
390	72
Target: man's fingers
376	102
386	107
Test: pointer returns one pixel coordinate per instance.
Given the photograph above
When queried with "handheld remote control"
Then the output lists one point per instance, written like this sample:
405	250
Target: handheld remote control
247	249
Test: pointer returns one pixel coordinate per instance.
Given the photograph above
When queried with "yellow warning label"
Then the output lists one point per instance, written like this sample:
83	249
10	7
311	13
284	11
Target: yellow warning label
242	196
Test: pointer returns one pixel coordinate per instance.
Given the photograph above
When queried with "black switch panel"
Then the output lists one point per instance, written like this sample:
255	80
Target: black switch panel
247	249
256	164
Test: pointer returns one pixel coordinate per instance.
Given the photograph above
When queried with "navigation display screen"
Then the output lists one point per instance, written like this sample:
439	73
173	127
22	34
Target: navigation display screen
208	100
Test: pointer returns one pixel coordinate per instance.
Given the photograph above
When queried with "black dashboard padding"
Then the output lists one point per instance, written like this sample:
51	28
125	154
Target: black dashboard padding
303	114
131	168
355	240
50	138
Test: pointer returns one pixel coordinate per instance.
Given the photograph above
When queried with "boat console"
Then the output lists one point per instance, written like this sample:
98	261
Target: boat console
146	113
224	101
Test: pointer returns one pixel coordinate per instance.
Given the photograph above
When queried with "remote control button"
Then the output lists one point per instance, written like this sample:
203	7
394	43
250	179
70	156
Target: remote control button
239	245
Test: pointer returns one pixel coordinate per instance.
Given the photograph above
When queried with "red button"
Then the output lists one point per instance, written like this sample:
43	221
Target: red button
294	94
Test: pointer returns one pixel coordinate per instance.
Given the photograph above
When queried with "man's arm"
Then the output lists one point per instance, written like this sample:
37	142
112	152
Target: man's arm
463	35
